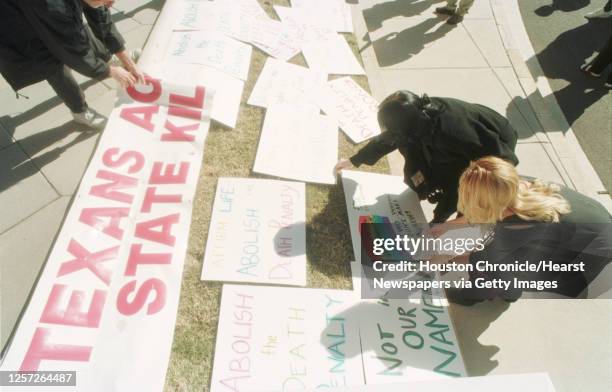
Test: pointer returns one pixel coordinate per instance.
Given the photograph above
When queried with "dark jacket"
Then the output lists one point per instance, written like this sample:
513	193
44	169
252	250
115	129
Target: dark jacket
39	36
458	133
584	235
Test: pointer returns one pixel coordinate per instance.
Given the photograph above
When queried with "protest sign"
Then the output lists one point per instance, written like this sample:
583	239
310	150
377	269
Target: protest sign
332	55
406	340
257	232
285	83
298	143
110	287
275	38
527	382
333	14
354	109
211	49
380	198
275	338
229	19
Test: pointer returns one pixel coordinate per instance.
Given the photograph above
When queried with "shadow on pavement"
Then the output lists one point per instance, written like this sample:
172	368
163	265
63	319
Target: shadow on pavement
562	59
377	14
561	5
120	15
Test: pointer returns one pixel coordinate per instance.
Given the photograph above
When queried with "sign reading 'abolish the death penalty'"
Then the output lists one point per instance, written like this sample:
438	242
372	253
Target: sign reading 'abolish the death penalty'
257	232
105	304
286	339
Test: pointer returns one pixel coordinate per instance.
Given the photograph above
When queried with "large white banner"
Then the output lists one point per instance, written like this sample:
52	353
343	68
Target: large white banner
332	14
355	109
257	232
286	339
380	198
298	143
211	49
106	302
527	382
286	83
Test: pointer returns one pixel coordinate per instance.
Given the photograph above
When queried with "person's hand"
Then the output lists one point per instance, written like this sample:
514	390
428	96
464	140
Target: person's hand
122	76
137	73
342	165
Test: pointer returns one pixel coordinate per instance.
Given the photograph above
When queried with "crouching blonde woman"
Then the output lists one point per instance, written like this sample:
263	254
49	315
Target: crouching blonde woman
544	237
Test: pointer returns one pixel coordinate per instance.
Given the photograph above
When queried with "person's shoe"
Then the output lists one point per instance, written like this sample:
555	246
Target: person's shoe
90	118
455	19
445	11
608	85
599	14
586	68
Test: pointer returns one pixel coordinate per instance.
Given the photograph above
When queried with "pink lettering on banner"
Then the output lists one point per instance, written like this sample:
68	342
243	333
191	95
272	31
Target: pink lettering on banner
179	134
137	257
144	230
108	158
41	349
105	220
141	116
165	173
72	315
152	197
91	261
129	308
197	101
111	189
145	97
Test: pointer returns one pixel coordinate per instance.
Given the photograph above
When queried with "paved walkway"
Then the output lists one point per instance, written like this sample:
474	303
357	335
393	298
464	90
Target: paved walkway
43	155
404	45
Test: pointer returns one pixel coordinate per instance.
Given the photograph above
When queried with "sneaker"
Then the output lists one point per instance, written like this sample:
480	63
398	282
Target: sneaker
455	19
134	55
586	68
608	85
600	14
90	118
445	11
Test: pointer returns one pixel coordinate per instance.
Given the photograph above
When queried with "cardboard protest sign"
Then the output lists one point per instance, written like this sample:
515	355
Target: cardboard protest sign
332	55
211	49
274	38
354	109
527	382
110	287
257	232
406	340
275	338
333	14
285	83
298	143
380	198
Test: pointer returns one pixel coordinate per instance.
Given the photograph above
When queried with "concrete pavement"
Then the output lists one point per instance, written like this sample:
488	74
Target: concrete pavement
43	155
405	46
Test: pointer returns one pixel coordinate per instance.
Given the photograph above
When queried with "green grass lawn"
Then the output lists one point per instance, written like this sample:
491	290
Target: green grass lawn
231	153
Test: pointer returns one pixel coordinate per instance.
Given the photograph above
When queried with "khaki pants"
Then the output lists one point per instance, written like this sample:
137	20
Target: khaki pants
464	5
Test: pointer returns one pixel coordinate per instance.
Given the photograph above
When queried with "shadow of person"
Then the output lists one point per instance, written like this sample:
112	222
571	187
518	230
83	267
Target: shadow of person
561	5
119	15
378	13
394	48
562	59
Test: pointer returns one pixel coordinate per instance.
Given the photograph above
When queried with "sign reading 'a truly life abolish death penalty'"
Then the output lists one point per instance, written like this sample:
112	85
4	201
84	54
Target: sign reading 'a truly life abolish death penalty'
106	302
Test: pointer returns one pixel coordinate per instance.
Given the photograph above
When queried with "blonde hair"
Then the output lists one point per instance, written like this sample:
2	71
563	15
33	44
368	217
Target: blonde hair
490	186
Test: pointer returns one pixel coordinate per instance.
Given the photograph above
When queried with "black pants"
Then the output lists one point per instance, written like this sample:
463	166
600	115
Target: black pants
67	88
608	6
603	59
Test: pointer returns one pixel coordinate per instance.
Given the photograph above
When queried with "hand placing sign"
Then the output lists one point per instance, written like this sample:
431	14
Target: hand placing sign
342	165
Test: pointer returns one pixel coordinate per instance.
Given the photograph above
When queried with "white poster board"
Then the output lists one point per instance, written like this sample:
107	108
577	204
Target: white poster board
106	302
285	83
298	143
274	38
257	232
229	19
406	340
380	198
527	382
274	338
332	55
211	49
355	110
333	14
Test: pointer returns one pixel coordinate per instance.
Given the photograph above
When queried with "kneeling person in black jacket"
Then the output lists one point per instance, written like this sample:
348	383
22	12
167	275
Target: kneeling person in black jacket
438	138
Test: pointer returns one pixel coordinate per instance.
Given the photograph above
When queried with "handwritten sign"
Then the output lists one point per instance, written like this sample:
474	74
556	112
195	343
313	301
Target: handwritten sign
380	198
285	83
332	55
257	232
211	49
298	143
275	338
274	38
110	287
405	340
526	382
354	109
232	20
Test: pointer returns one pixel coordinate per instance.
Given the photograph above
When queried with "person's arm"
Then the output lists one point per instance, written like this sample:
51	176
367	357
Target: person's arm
104	29
373	151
